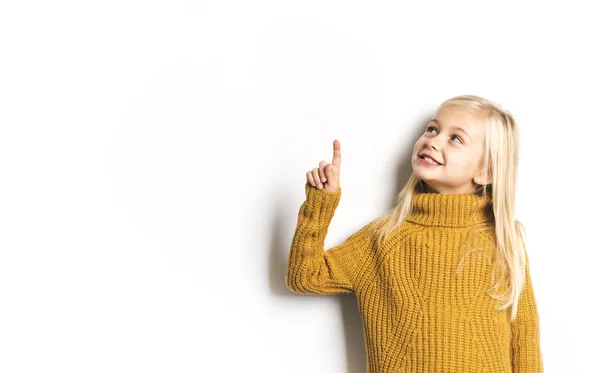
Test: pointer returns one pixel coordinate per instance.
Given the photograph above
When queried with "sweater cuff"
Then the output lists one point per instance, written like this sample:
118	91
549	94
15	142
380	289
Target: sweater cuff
322	202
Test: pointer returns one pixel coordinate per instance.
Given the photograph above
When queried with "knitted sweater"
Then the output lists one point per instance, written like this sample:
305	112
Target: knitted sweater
419	315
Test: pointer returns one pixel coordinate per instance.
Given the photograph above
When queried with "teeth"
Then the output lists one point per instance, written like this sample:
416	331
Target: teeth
430	160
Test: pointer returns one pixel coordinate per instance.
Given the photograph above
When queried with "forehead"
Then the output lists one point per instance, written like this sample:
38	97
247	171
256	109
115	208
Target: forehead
458	119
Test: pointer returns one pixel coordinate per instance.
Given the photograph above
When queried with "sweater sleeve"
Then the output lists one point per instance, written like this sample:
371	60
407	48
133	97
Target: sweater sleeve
525	331
313	270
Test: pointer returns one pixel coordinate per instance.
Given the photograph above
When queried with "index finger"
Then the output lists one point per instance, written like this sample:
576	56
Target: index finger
337	154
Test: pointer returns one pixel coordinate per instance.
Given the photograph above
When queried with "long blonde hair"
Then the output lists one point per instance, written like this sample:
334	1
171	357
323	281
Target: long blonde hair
501	155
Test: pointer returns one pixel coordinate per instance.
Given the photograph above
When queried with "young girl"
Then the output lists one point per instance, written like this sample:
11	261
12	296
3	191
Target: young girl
442	282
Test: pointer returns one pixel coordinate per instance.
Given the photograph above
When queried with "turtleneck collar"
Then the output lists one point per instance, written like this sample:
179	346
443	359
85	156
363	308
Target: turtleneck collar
448	210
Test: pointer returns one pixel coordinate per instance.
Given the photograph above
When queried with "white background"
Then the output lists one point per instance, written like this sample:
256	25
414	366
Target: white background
153	158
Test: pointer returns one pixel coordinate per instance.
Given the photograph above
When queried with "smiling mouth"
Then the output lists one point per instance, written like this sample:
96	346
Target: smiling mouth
429	160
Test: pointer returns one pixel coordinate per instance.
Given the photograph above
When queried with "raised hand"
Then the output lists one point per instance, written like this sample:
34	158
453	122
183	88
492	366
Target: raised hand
327	175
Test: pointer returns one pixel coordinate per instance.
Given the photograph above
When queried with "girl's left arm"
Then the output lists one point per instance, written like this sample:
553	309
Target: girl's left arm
525	331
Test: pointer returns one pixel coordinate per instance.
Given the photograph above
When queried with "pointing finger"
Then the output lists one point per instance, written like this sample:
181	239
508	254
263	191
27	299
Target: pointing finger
337	154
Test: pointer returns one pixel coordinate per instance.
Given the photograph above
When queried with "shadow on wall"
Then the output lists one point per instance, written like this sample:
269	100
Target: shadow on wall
280	246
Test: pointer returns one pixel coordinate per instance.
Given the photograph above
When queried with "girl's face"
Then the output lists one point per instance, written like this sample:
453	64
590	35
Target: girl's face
455	139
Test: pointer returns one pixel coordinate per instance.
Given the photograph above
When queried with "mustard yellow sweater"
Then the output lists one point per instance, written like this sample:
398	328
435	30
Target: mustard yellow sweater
418	314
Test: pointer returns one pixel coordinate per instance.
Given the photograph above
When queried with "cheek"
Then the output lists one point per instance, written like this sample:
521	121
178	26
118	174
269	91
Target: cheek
466	161
416	148
471	163
419	144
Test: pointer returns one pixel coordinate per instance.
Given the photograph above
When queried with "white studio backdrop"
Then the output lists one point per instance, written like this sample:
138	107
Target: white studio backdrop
153	159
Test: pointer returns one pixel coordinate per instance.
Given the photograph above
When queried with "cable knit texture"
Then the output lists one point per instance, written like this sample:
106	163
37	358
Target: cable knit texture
420	312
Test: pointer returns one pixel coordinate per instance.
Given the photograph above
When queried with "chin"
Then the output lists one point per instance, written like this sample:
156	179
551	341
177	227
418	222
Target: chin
420	176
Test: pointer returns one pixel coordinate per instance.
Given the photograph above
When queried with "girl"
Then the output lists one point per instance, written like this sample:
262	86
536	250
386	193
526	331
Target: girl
442	281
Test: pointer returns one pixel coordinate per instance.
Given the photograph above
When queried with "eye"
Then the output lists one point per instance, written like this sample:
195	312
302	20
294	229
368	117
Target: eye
458	138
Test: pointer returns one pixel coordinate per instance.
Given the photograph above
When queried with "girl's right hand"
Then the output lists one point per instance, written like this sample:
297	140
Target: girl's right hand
327	174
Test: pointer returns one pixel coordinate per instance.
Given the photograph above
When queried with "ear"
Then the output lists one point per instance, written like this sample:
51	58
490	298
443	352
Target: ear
481	179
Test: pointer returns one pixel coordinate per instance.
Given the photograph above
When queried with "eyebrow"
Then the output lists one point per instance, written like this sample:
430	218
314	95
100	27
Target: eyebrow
458	128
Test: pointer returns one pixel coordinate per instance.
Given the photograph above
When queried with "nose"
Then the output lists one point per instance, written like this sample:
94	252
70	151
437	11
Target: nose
430	144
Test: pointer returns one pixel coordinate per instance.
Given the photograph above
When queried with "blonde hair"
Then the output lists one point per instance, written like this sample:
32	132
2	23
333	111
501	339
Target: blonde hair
501	154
